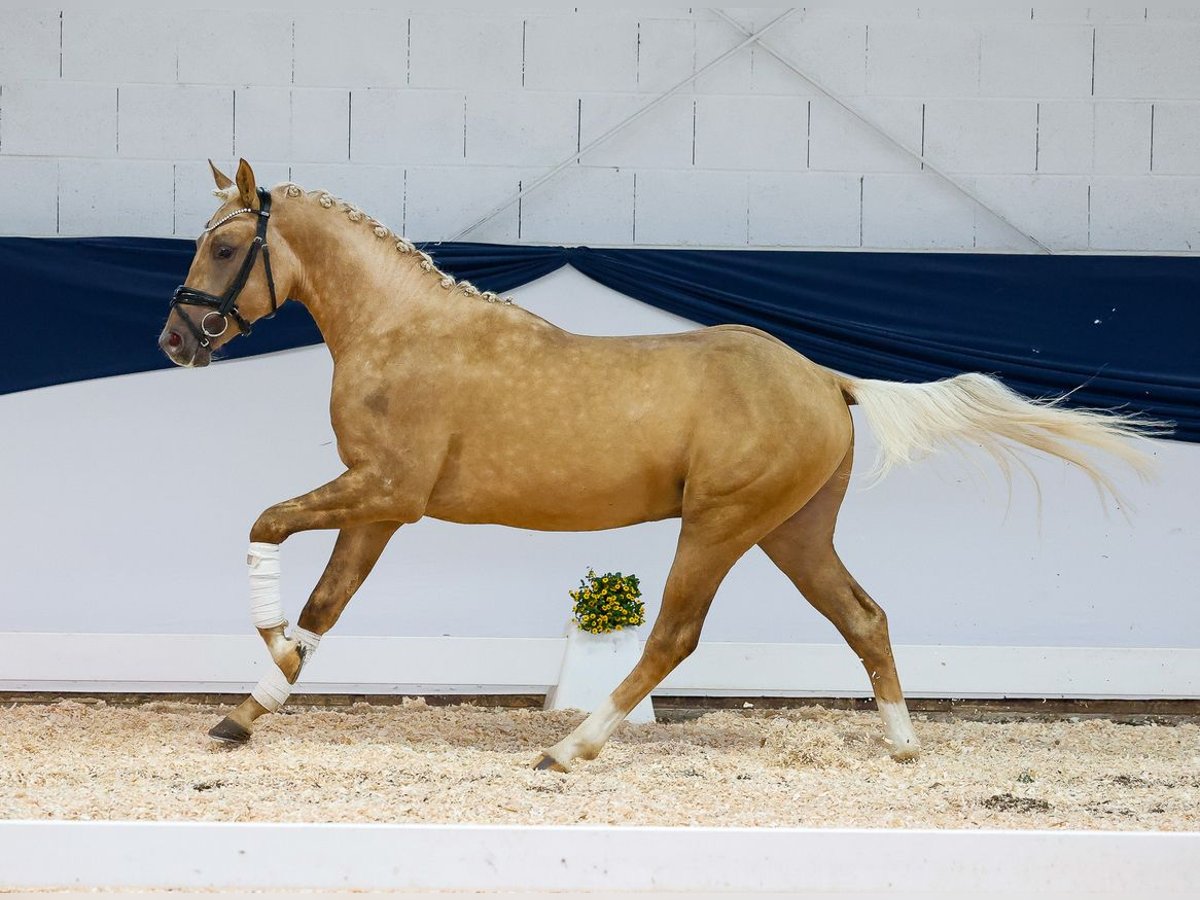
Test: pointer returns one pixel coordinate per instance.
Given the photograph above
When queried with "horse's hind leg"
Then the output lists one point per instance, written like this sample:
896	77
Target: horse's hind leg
701	562
354	555
803	548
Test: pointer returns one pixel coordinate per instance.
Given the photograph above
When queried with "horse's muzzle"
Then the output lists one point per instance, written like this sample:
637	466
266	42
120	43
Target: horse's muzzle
182	348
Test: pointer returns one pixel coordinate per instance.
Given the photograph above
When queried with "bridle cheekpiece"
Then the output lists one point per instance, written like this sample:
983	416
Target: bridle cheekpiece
225	306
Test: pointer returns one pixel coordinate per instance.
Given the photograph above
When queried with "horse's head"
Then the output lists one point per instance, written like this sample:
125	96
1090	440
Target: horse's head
233	280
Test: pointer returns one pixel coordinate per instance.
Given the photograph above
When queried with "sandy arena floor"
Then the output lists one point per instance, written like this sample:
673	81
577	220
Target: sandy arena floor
419	763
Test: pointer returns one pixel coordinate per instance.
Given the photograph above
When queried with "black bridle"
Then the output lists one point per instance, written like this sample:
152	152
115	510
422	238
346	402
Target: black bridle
225	306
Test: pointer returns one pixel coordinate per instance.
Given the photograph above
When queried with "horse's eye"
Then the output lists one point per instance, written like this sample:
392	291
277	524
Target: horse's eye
223	251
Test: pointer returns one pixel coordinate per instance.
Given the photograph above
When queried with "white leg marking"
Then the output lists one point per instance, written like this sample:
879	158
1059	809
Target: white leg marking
898	728
589	737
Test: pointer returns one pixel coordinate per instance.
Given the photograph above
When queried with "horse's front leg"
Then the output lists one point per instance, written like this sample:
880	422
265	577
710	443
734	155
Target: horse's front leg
354	555
367	515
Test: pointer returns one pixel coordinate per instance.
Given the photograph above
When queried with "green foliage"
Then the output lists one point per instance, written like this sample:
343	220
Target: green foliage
608	602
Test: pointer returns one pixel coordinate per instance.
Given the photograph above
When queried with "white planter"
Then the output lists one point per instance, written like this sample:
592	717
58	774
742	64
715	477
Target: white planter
593	665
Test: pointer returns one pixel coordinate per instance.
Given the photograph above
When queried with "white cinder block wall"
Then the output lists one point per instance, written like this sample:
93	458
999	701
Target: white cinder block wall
1079	122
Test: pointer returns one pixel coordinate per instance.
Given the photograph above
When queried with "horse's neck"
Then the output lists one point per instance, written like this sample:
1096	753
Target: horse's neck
356	285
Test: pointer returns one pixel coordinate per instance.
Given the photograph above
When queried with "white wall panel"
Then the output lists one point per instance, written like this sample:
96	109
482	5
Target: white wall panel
975	11
841	142
1148	60
170	121
292	124
1054	208
50	118
1122	139
883	10
927	59
809	209
351	49
752	133
441	201
911	211
120	45
715	212
1160	215
831	51
249	46
114	196
585	204
661	138
982	135
29	44
28	196
1065	136
519	128
584	52
997	90
1176	149
713	39
1024	60
465	50
666	53
262	123
401	127
1176	11
1099	13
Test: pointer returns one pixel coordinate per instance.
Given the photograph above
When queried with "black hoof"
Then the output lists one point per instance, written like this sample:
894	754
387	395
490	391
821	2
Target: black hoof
549	763
229	732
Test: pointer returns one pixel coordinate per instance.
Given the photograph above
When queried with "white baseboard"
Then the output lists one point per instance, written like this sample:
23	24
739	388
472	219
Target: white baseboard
800	862
206	663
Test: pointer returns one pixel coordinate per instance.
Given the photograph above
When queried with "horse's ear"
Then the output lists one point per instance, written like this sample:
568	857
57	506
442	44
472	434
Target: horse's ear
223	181
246	185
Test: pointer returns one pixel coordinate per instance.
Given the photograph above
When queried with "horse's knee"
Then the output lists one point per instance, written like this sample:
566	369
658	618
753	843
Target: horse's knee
270	527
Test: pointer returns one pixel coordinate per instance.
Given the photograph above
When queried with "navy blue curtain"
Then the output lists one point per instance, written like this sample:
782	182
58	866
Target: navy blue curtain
1120	329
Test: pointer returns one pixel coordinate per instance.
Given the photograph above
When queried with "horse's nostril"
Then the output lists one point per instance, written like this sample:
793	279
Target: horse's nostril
174	340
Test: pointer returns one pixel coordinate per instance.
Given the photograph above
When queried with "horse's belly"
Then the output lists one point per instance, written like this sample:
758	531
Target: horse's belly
563	495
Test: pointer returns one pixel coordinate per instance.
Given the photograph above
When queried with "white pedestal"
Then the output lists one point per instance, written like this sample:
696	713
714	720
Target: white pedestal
593	665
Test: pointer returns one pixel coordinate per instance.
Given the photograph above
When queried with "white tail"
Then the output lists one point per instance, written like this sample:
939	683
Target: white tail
911	420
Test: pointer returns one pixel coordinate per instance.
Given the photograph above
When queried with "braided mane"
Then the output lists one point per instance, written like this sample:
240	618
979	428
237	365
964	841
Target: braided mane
382	232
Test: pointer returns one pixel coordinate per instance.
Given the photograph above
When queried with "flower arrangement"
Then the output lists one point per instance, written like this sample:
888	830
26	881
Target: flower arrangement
608	602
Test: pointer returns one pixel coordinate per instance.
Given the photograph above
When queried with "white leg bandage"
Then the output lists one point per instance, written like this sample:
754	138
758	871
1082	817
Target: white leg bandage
308	642
266	608
272	692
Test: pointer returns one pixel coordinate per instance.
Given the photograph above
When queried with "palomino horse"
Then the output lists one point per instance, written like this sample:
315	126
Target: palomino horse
453	403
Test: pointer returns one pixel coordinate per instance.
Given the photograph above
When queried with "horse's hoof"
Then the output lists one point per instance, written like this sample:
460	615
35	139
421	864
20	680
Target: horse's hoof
229	732
548	762
906	754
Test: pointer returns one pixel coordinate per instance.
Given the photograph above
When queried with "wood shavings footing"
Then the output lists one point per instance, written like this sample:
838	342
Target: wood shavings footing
807	767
